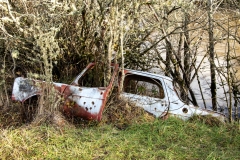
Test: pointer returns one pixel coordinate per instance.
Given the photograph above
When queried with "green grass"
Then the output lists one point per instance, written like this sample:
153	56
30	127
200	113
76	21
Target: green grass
169	139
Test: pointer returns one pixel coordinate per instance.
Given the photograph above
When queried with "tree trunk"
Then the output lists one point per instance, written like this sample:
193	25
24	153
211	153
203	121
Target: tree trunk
211	55
229	78
168	45
187	66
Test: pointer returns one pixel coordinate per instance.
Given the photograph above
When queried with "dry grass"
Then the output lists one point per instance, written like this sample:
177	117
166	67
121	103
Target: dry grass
122	114
208	120
11	116
169	139
125	132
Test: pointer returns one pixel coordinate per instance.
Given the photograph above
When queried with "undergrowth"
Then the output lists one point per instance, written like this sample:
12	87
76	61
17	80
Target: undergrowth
134	137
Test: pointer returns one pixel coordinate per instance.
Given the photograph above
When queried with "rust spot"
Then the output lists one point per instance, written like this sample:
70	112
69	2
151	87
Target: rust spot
185	110
84	102
92	103
86	108
101	93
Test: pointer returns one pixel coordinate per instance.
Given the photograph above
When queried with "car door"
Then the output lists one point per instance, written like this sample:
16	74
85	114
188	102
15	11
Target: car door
87	95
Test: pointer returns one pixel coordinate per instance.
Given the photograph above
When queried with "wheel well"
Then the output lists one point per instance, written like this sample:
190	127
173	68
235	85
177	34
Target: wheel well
29	108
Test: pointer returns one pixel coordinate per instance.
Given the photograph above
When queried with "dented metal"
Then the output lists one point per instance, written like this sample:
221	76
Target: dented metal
169	105
85	102
88	102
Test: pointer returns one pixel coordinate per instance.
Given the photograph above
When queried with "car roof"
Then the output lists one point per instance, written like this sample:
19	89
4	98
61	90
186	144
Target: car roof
148	74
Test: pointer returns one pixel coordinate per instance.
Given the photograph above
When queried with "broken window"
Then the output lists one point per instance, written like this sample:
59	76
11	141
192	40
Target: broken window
93	77
145	86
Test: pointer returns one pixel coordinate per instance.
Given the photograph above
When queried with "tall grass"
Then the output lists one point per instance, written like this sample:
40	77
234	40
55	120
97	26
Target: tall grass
169	139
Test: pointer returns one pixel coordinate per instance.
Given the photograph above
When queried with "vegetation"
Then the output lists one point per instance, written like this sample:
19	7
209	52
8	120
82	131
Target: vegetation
52	40
196	43
169	139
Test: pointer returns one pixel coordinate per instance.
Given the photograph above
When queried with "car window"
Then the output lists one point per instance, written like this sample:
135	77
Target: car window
145	86
94	77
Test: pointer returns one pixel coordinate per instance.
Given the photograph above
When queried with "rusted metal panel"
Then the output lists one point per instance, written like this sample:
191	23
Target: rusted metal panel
24	89
85	102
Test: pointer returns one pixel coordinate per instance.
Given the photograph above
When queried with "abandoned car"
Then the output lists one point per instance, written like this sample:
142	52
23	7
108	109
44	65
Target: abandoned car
153	92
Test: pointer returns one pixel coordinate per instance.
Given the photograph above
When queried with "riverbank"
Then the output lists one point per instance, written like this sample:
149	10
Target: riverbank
169	139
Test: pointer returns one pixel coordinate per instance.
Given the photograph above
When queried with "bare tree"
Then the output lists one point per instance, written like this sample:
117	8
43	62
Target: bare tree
212	54
170	35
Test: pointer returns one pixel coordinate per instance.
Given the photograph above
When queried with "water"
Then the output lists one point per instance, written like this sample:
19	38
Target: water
221	49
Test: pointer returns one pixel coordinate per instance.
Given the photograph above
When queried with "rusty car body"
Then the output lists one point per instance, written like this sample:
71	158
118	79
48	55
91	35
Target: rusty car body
153	92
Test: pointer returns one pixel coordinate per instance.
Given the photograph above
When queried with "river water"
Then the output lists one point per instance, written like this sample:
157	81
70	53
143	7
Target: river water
221	74
221	49
223	99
